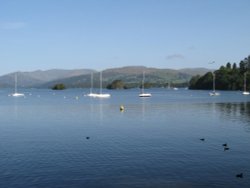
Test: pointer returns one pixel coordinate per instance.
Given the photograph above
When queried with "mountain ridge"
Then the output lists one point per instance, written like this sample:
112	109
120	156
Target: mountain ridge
81	77
38	77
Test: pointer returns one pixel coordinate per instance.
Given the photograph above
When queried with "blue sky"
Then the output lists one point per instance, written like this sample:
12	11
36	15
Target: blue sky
100	34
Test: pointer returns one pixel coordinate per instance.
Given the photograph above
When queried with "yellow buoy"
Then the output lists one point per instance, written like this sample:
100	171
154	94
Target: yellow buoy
121	108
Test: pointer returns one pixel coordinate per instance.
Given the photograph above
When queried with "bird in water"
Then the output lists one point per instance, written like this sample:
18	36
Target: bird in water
226	148
202	139
239	175
87	137
225	145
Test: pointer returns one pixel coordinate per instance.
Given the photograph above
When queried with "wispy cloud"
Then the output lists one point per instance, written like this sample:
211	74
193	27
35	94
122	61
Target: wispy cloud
12	25
175	56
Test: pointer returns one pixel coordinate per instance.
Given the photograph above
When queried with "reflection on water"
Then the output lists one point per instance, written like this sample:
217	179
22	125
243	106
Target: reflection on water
236	112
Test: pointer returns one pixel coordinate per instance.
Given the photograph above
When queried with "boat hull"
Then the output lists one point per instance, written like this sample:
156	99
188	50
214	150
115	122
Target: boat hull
214	94
96	95
17	95
145	95
91	95
245	93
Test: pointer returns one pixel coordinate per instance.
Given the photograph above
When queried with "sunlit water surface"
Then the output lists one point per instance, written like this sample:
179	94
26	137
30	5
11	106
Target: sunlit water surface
154	142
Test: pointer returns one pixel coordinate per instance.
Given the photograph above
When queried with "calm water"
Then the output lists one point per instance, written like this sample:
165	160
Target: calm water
155	142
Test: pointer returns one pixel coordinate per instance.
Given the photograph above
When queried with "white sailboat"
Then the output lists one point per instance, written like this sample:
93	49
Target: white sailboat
16	94
91	94
214	93
142	94
245	92
101	95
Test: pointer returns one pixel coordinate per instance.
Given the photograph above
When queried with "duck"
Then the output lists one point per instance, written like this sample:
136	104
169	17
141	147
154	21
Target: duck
239	175
225	145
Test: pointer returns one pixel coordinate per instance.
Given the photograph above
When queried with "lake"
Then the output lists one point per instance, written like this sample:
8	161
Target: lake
154	142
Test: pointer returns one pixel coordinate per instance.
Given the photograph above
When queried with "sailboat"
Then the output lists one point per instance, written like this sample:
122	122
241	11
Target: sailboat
16	94
91	94
142	94
245	92
101	95
214	93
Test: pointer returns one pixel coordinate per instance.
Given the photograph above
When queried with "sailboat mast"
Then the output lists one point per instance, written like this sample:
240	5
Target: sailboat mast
15	83
91	82
143	77
214	82
245	82
101	82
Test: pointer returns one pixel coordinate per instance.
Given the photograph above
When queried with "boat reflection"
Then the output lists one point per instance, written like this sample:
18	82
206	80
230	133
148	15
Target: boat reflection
236	112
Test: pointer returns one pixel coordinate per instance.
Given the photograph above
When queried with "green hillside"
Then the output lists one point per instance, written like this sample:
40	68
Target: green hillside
228	77
131	77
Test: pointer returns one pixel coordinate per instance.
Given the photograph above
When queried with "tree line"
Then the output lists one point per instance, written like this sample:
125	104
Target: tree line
228	77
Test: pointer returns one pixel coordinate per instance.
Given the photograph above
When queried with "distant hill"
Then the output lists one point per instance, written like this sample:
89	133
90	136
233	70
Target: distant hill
195	71
36	78
54	74
132	77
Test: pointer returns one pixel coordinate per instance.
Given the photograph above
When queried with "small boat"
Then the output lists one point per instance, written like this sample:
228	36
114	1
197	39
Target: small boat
145	95
214	93
245	92
16	94
101	95
142	94
91	94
